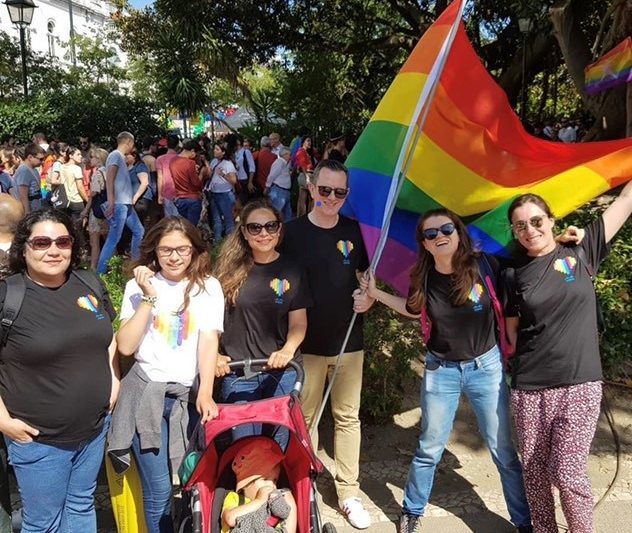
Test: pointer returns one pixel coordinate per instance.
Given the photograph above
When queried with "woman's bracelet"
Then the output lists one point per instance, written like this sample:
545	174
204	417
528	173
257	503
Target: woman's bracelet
151	300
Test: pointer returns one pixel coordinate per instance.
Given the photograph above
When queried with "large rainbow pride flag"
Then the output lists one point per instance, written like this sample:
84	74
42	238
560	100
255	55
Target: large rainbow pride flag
473	156
613	69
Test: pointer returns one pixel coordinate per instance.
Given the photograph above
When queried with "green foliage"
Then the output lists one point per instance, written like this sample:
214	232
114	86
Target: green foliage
614	289
115	282
390	345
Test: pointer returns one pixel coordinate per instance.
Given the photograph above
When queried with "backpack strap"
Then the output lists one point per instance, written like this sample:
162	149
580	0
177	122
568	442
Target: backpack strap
487	275
246	165
583	259
16	288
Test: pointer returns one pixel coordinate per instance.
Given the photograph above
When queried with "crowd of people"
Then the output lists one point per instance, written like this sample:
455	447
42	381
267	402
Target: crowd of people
282	289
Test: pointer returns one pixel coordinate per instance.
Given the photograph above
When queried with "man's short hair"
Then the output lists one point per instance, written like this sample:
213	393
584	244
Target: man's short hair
189	144
265	141
330	164
284	151
33	150
40	136
172	141
124	136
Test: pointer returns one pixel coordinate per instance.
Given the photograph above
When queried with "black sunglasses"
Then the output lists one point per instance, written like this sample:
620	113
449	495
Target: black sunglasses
44	243
431	234
272	227
522	225
339	192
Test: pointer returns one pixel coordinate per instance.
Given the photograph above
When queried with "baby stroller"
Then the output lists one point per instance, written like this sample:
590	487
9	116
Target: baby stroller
206	474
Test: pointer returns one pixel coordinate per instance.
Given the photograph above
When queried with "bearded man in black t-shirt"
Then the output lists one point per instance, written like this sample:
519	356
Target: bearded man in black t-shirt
331	249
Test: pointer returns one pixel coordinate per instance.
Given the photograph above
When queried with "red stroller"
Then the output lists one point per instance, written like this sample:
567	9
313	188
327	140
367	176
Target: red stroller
206	472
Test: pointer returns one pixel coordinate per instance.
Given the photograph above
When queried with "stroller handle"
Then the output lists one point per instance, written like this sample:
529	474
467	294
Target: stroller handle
248	372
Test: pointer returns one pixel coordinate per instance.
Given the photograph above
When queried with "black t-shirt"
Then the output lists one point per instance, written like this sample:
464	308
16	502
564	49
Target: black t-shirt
331	257
54	371
460	332
555	299
258	324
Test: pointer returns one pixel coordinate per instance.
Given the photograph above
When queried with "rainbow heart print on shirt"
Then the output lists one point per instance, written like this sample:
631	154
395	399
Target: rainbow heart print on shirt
174	328
280	287
566	266
345	248
475	297
90	303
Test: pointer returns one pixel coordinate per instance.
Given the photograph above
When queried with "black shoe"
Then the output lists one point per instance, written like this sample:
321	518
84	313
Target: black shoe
409	523
525	529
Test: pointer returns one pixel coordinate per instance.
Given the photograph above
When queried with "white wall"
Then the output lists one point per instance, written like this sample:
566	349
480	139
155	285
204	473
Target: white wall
90	18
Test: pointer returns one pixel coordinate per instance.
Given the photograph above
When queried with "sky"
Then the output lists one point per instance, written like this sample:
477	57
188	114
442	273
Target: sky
141	3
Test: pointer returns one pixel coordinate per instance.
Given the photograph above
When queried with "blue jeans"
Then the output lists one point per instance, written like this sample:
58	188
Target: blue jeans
265	385
57	483
155	474
280	200
221	207
190	209
124	215
483	382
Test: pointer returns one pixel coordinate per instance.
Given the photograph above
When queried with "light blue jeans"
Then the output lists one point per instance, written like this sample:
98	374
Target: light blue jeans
124	215
57	483
221	205
281	201
482	380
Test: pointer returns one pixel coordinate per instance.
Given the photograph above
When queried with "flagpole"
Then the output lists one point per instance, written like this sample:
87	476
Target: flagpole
416	126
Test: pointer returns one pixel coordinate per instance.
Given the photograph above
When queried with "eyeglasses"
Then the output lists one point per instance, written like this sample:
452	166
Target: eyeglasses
534	222
431	234
166	251
339	192
44	243
272	227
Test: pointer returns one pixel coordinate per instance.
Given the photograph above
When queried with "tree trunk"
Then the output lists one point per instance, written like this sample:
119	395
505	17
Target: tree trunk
606	107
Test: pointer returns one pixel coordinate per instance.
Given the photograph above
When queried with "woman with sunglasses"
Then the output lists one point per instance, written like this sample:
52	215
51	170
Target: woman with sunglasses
557	375
267	297
171	316
450	292
57	379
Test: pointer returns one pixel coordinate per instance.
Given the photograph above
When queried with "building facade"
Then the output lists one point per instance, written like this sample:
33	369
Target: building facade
54	21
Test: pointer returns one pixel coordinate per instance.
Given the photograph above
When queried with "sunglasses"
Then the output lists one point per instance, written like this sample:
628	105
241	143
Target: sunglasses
182	251
272	227
339	192
44	243
534	222
431	234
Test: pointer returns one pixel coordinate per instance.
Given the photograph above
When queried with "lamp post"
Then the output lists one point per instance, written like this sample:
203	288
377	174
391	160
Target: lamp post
21	14
524	23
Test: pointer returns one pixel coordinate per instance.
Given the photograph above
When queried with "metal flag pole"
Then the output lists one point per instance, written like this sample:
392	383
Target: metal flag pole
416	127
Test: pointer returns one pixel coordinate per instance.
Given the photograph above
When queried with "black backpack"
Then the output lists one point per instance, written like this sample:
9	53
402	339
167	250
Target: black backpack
16	289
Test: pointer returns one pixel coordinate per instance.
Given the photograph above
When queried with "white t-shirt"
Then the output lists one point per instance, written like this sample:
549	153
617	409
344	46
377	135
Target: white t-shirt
220	169
169	349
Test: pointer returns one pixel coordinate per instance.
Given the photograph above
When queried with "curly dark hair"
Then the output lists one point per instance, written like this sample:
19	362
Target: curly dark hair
24	230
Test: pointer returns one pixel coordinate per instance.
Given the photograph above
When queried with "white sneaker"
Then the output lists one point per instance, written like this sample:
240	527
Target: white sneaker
356	514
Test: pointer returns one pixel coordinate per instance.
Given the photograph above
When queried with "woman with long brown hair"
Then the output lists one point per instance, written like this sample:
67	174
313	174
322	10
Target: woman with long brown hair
171	316
267	297
453	291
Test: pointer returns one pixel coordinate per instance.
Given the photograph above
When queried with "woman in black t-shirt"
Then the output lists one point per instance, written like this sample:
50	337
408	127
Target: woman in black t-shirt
57	380
557	370
452	290
266	296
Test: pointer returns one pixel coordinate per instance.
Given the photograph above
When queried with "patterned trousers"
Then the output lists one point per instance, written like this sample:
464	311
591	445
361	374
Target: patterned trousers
555	428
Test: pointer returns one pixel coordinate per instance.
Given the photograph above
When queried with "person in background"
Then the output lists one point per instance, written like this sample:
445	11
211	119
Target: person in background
53	178
279	185
166	188
263	160
275	143
72	179
40	140
11	212
336	148
220	194
189	180
57	388
245	164
27	177
119	210
139	176
97	227
305	163
149	156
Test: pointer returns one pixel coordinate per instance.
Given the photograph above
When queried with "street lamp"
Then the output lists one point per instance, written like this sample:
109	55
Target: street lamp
524	23
21	14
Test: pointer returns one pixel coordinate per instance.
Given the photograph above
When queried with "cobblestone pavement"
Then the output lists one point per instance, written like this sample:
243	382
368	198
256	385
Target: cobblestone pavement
466	486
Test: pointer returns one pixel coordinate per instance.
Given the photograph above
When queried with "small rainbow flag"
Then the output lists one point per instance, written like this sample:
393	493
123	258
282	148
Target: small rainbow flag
612	69
473	156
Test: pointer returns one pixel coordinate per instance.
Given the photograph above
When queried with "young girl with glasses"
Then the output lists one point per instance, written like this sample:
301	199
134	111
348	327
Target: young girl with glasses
266	301
171	317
